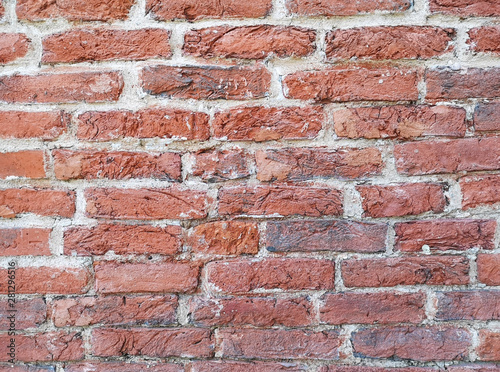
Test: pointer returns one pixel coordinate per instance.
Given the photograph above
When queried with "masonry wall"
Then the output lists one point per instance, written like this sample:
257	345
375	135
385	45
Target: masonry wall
265	185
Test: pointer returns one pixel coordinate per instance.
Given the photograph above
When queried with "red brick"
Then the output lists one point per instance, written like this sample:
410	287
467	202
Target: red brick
372	308
251	42
47	280
399	42
105	45
402	199
489	345
26	368
122	239
485	39
77	10
324	235
228	366
468	305
375	369
300	164
390	272
90	164
400	122
279	344
146	204
114	310
445	234
149	123
415	343
29	313
344	84
344	7
430	157
210	83
44	202
259	312
268	123
123	367
473	83
487	117
192	10
225	238
474	368
480	190
466	8
220	165
13	46
118	277
24	242
45	125
156	342
2	11
280	200
44	347
488	269
239	276
28	163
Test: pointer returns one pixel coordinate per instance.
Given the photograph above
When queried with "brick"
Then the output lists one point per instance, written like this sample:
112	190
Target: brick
210	83
118	277
487	117
344	7
485	39
280	200
372	308
300	164
44	125
44	347
122	239
78	10
466	8
240	276
123	367
43	202
146	204
324	235
156	342
399	42
24	242
415	343
62	87
225	238
29	313
259	123
250	42
488	269
445	84
344	84
431	157
148	123
26	368
28	164
90	164
468	305
279	344
13	46
489	345
228	366
106	45
400	122
259	312
445	235
335	368
474	368
47	280
193	10
402	199
220	165
390	272
480	190
113	310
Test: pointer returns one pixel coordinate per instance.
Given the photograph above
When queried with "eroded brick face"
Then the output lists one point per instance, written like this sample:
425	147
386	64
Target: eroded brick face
250	186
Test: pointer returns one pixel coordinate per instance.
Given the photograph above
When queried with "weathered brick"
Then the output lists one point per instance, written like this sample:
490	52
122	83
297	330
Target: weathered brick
390	272
344	7
28	164
335	368
487	117
228	366
485	39
220	165
29	313
122	239
466	8
45	125
44	202
489	345
13	46
468	305
488	269
123	367
24	242
480	190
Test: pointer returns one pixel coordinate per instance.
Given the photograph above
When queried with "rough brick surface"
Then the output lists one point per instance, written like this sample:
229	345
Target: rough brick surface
487	117
466	8
45	125
344	7
468	305
480	190
24	242
13	46
44	202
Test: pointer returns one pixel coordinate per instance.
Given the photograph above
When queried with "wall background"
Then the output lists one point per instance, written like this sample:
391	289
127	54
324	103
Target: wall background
224	185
